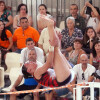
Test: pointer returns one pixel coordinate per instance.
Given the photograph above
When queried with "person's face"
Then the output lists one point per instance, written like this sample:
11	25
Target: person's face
70	24
2	6
1	26
92	14
30	45
24	24
97	47
84	60
73	10
77	45
23	9
90	33
42	10
31	67
32	55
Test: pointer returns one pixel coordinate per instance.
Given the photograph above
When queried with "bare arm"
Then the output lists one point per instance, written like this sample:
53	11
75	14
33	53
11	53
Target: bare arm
11	43
10	21
91	59
44	68
30	21
15	23
17	82
82	13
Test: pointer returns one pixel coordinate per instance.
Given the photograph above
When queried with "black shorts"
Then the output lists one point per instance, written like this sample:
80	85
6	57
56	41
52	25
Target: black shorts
24	87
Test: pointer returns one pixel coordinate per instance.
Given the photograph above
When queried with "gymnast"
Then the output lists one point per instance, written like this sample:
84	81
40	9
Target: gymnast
61	74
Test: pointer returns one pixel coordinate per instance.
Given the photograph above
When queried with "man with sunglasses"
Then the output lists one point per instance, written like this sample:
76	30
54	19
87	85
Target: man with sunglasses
83	71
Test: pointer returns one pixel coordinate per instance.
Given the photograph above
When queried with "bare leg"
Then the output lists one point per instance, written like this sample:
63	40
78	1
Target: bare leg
49	96
13	97
61	66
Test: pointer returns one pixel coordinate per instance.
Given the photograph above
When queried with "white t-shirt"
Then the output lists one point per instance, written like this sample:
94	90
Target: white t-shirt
44	39
92	21
88	72
25	52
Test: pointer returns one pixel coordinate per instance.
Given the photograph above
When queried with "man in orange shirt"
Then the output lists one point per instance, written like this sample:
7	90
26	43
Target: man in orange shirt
22	33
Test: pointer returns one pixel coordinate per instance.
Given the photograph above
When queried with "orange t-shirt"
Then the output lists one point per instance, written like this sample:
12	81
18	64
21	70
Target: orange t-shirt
6	43
20	36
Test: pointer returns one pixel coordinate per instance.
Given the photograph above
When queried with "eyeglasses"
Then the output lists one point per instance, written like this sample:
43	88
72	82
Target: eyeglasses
23	9
83	77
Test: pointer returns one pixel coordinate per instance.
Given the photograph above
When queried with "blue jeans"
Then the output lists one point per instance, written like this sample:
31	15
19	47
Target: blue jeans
61	92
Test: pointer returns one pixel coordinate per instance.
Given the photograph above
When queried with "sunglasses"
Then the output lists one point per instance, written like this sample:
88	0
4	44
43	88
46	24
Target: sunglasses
83	77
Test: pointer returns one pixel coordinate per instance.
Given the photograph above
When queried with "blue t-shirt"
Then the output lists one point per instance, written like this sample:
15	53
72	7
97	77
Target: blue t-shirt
30	81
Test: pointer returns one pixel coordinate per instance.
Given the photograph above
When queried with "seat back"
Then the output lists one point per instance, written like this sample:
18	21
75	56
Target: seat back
12	60
1	77
62	25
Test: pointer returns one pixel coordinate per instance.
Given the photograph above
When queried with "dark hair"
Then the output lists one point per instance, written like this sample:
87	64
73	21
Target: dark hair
3	34
74	5
79	40
18	9
85	37
93	48
25	73
44	7
90	10
29	39
5	8
23	18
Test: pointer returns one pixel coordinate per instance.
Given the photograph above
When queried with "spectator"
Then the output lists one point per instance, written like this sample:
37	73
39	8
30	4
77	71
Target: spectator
88	38
95	55
6	42
79	21
43	42
25	52
5	15
22	12
29	82
94	18
22	33
42	10
74	55
83	72
98	30
69	34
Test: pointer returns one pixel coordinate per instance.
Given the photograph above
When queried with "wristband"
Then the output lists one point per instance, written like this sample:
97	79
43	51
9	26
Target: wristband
51	48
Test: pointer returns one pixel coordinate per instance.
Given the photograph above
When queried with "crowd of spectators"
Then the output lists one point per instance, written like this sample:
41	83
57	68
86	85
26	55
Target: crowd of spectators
80	41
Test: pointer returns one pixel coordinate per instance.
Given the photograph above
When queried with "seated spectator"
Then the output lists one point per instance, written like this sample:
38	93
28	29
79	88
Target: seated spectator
29	82
26	50
83	72
79	20
42	10
22	33
74	55
94	18
95	55
88	38
5	15
22	12
43	42
69	34
6	42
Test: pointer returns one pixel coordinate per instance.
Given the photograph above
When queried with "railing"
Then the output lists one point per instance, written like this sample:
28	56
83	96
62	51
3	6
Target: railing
78	90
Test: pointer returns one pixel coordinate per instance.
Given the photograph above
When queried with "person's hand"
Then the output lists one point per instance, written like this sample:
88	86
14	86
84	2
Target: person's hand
36	94
12	89
88	4
59	35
